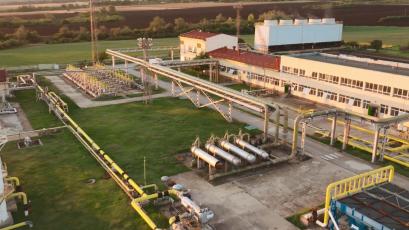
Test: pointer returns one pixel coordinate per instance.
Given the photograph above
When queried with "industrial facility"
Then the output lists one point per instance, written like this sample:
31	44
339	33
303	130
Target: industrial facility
302	120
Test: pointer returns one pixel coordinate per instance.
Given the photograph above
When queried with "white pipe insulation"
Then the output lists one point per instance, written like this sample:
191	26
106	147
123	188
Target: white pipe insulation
261	153
223	154
238	151
211	160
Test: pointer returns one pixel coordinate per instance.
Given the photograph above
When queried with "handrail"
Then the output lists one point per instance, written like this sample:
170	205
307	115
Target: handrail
353	185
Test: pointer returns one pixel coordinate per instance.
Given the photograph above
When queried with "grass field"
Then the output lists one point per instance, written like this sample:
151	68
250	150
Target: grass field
54	175
75	52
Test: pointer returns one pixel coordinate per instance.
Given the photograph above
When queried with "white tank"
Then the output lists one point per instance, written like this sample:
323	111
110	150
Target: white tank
211	160
261	153
238	151
223	154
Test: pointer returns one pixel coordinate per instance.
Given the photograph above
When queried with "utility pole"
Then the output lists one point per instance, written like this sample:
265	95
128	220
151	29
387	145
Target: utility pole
238	7
94	35
145	44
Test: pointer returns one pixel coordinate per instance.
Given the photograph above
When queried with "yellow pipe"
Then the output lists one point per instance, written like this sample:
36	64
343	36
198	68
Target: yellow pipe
144	216
23	197
343	188
19	225
13	179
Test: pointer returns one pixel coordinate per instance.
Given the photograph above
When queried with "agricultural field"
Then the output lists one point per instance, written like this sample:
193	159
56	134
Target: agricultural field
55	174
76	52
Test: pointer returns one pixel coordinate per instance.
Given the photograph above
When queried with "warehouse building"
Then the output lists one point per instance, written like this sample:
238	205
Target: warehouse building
344	81
279	35
196	43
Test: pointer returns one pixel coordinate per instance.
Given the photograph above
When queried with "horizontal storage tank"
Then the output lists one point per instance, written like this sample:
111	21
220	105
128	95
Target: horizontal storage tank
211	160
238	151
286	22
223	154
328	20
259	152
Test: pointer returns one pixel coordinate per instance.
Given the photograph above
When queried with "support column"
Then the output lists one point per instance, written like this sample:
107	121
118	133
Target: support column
179	69
171	54
142	73
333	129
384	141
303	134
126	66
277	120
113	62
285	124
266	120
230	110
375	144
173	88
211	72
198	98
217	73
155	77
347	128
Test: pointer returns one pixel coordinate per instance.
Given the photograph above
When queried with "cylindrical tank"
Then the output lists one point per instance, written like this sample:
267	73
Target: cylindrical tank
223	154
241	153
261	153
211	160
285	22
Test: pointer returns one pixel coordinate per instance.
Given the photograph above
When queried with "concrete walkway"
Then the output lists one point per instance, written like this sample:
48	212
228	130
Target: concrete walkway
84	102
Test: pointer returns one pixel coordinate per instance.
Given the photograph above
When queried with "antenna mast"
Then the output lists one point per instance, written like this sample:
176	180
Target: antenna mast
238	8
94	34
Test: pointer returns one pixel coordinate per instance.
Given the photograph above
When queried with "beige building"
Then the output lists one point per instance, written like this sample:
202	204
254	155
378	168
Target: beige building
342	81
196	43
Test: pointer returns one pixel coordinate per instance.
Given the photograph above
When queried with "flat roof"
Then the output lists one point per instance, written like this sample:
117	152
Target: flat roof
198	34
247	57
387	204
353	63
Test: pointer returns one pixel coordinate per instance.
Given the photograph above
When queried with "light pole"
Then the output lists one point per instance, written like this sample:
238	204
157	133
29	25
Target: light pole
145	44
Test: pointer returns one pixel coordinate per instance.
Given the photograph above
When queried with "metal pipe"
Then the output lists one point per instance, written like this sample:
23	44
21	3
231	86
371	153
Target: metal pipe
238	151
375	144
261	153
211	160
23	197
223	154
277	121
15	180
333	129
144	216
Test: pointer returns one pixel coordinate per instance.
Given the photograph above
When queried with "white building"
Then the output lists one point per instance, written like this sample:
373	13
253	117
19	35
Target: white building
342	81
277	35
196	43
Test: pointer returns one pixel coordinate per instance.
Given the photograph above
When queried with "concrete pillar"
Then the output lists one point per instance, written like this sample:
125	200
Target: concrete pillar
231	110
303	135
333	131
211	72
126	66
285	129
179	69
113	62
347	128
173	88
171	54
277	121
155	76
375	144
198	98
266	121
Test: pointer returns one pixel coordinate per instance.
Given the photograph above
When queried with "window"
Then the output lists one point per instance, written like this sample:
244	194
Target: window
401	93
295	86
366	104
352	83
384	109
350	100
302	72
327	95
286	69
314	75
328	78
396	111
377	88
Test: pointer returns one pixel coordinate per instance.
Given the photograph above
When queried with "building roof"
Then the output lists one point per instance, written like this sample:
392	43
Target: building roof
352	63
251	58
197	34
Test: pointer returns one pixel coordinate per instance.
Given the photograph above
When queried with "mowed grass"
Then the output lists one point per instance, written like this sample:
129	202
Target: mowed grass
76	52
54	174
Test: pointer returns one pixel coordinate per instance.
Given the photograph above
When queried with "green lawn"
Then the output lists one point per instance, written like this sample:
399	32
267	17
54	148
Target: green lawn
75	52
53	175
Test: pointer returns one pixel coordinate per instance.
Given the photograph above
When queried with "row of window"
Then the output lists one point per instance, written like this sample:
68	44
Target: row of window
370	87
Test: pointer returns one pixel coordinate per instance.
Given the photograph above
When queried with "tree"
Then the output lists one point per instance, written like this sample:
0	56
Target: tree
21	33
111	9
376	44
83	34
102	56
180	24
157	24
273	14
220	18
